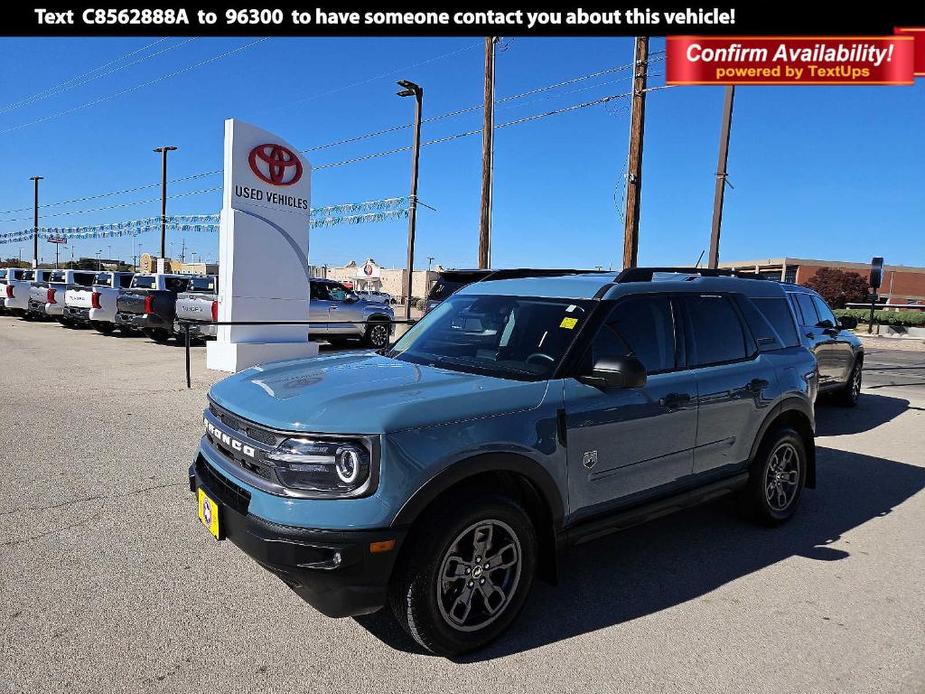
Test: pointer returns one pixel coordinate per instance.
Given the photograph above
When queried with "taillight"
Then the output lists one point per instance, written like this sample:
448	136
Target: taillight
149	304
9	291
95	300
214	311
50	297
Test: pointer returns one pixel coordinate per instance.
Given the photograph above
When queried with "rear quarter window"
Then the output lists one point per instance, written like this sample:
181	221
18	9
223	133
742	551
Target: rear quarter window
715	334
776	312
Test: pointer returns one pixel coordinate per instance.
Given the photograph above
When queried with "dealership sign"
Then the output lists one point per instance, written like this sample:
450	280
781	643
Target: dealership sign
263	250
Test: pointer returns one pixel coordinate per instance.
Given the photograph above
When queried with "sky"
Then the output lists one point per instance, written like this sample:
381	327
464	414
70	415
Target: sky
818	172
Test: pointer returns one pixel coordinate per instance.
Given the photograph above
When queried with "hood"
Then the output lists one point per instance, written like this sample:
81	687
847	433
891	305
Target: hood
367	394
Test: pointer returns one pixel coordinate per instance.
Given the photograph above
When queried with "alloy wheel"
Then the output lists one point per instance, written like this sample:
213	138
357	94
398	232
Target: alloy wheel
782	481
479	575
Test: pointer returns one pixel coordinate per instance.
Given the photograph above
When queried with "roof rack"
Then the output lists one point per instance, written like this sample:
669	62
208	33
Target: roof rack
644	274
514	273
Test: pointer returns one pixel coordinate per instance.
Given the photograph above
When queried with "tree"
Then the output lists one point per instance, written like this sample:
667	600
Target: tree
838	287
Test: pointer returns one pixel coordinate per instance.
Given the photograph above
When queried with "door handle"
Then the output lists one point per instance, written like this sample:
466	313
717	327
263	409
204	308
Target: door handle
674	401
756	385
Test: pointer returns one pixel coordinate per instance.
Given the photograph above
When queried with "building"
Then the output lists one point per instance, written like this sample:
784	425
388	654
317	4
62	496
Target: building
902	284
373	277
148	263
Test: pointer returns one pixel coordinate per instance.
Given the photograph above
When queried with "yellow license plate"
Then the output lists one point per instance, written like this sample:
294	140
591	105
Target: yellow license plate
208	513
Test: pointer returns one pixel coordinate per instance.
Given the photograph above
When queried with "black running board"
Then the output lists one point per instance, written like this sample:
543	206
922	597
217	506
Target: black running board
588	530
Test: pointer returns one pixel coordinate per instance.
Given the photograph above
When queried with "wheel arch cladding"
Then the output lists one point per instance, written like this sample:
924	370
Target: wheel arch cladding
792	413
525	480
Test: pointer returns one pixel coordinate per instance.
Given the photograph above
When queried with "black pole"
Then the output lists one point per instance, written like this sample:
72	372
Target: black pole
873	304
412	89
163	151
35	222
186	344
721	175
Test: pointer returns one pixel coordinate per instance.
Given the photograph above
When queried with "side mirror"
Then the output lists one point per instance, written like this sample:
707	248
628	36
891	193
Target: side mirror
351	298
616	372
847	322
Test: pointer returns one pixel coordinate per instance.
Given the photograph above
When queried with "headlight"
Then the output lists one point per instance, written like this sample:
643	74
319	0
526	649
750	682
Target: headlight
331	467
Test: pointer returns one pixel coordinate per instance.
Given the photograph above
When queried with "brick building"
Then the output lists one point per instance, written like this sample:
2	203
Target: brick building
902	284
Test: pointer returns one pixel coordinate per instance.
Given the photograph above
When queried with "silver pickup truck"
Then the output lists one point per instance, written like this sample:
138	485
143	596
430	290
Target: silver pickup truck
333	305
198	306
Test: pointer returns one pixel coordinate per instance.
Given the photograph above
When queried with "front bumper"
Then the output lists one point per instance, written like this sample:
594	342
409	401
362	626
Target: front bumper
334	571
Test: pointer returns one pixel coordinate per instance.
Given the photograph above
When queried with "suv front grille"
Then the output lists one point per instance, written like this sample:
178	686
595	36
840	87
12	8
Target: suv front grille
245	427
227	491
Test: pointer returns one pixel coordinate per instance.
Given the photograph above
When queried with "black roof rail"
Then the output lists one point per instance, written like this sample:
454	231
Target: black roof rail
644	274
514	273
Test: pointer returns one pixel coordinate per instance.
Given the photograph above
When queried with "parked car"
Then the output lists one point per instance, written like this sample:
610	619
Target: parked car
839	352
47	298
450	281
15	288
149	304
331	301
103	298
198	304
517	418
79	298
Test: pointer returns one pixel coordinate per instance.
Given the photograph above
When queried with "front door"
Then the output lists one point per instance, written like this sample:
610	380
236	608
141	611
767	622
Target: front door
819	339
630	443
319	308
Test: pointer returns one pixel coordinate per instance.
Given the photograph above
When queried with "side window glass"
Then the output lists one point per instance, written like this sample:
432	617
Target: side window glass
125	281
826	317
337	293
715	332
319	291
640	326
805	302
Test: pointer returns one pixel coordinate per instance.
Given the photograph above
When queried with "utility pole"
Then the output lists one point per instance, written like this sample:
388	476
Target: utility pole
634	156
35	221
412	89
720	189
488	153
163	151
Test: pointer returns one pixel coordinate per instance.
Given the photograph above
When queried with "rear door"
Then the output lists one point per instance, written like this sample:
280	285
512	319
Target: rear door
626	444
735	384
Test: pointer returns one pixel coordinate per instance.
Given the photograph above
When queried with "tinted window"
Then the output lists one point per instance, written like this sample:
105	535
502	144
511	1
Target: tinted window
202	284
639	326
2	274
142	282
777	313
175	284
30	275
825	313
56	277
319	290
125	281
445	286
103	278
715	331
805	302
84	279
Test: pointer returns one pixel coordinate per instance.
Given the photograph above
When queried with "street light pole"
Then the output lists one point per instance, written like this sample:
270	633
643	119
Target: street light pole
163	151
412	89
35	222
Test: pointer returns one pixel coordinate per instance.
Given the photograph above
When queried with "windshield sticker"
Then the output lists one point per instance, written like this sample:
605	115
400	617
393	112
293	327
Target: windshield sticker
571	308
568	323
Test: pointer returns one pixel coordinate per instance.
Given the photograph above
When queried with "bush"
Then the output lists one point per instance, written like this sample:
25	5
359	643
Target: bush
909	319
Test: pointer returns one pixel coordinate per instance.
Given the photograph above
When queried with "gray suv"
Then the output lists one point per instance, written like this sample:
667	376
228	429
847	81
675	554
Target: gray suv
343	315
519	417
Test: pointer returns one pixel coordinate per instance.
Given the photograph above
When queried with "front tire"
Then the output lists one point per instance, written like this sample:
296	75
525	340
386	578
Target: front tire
466	573
377	334
777	477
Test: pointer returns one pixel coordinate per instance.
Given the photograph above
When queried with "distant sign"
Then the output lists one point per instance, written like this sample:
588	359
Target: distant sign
57	239
876	272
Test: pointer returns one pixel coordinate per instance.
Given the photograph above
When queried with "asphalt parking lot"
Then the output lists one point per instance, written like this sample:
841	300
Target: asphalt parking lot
109	583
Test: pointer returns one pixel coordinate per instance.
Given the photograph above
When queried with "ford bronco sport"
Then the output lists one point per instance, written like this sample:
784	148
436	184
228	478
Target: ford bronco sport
517	418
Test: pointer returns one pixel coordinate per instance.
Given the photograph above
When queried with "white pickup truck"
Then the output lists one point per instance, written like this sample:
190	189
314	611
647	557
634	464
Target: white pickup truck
197	306
48	297
96	305
18	287
8	277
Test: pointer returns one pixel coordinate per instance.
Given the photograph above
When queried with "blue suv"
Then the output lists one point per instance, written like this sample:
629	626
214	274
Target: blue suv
520	416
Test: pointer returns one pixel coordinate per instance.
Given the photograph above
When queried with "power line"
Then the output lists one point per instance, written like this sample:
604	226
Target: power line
135	88
88	77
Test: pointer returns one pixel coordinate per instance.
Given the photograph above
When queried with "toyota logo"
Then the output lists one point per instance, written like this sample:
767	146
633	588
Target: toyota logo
368	269
275	164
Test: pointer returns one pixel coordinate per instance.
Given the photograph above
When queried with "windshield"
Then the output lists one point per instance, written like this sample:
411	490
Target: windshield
444	286
523	338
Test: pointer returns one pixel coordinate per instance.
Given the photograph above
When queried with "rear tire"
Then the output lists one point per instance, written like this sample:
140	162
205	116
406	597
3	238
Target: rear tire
102	328
159	335
848	396
776	479
457	540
